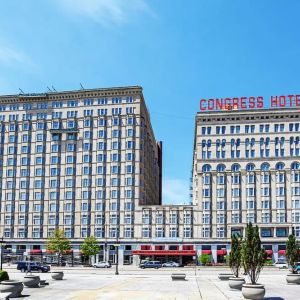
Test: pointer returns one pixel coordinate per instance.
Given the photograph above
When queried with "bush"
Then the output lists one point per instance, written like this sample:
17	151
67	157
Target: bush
204	259
268	262
253	255
292	254
235	255
3	275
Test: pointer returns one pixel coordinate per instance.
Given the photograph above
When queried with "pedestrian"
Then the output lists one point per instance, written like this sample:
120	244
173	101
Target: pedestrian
28	268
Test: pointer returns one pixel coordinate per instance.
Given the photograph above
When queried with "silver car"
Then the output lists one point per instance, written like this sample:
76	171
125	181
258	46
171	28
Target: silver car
171	264
102	264
281	264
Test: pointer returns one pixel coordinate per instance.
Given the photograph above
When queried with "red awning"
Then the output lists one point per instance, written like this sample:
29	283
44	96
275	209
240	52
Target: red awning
221	252
269	252
165	252
206	251
35	251
281	252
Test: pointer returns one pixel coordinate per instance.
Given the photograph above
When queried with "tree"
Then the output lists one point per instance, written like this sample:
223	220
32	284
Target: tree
90	247
253	256
235	255
292	255
58	243
204	259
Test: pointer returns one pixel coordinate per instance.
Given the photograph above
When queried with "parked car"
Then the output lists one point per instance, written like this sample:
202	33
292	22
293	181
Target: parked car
171	264
281	264
102	264
34	266
297	267
151	264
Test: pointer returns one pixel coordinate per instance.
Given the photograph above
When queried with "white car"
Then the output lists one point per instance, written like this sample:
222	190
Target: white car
171	264
102	264
281	265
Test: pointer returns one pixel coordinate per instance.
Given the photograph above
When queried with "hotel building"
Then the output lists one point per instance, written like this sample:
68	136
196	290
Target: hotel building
82	161
246	169
87	162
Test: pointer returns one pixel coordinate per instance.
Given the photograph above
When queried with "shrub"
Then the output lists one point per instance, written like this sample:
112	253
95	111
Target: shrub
292	255
204	259
235	256
3	275
253	255
268	262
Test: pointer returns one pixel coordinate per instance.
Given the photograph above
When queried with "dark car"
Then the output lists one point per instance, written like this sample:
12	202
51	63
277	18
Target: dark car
24	266
151	264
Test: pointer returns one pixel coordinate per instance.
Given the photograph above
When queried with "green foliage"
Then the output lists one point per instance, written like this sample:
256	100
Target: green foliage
3	275
58	243
227	259
90	246
235	255
253	256
268	262
292	255
204	259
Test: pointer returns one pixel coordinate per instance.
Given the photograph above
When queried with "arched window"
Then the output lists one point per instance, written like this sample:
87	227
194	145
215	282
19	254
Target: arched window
267	141
209	143
279	166
261	141
265	167
291	140
232	142
252	142
221	168
218	143
282	141
247	142
295	166
206	168
223	143
235	168
250	167
238	142
203	143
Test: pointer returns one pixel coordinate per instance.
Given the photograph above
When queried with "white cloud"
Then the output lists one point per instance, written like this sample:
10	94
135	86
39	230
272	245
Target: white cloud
11	56
107	12
175	191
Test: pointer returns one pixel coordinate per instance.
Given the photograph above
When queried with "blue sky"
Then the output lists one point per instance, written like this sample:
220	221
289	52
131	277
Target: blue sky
179	51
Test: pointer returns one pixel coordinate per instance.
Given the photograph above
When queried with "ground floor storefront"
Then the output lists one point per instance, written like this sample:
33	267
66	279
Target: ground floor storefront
133	253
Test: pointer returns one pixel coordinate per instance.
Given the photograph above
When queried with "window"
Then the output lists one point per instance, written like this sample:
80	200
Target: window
159	232
146	232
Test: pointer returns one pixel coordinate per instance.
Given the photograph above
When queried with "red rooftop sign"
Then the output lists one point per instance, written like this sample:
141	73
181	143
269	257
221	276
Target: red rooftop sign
240	103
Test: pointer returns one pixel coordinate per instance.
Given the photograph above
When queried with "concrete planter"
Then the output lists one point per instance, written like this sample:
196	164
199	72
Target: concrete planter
293	278
57	275
253	291
225	276
14	287
31	281
236	283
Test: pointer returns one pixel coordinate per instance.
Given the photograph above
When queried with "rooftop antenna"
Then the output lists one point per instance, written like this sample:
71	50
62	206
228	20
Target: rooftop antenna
21	91
54	88
81	86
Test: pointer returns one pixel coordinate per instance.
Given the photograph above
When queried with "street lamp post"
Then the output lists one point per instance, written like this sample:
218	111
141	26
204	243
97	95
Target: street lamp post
117	255
1	241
